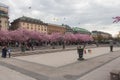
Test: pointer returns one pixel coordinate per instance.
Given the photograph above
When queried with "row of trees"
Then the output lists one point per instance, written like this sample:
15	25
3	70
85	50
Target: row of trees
22	35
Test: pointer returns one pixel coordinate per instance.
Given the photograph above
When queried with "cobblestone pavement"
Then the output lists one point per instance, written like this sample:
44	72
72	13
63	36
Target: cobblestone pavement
78	70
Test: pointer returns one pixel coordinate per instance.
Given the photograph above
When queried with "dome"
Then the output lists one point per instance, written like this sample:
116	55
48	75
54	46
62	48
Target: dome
80	30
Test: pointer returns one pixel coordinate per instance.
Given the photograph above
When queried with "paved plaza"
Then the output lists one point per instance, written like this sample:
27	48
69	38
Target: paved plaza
102	73
62	65
63	58
8	74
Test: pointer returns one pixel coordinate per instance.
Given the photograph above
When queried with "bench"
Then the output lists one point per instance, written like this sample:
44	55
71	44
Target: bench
115	75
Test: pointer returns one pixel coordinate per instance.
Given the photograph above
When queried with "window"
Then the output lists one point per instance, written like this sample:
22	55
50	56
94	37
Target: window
41	29
35	28
31	27
27	27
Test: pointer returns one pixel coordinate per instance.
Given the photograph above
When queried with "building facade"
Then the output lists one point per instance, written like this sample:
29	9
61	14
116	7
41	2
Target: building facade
118	35
101	35
68	28
36	25
56	28
4	18
29	24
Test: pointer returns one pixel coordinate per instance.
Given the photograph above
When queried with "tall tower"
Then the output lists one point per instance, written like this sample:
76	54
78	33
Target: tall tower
4	23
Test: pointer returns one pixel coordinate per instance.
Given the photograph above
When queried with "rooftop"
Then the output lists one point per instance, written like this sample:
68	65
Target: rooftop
55	25
81	30
101	32
28	19
3	5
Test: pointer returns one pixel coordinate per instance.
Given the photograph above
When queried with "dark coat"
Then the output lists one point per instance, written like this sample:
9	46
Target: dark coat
4	52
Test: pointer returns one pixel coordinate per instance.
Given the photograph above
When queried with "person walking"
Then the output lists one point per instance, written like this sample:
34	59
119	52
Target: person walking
111	46
63	45
9	52
23	47
97	44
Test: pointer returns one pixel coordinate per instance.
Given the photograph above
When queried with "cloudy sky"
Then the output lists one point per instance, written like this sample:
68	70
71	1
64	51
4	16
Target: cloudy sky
88	14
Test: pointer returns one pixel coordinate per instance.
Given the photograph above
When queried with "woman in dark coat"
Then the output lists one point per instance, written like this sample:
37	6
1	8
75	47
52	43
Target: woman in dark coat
4	52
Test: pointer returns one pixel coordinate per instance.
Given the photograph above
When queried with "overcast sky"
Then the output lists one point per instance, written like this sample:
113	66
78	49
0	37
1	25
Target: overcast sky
88	14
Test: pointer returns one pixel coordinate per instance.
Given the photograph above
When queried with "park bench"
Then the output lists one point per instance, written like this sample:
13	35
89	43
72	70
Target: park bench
115	75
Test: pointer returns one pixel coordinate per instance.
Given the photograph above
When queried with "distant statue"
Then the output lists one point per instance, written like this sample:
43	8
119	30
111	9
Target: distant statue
80	51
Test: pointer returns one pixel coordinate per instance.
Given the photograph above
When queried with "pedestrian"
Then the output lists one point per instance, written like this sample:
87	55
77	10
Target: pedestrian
118	44
4	51
9	52
111	46
63	45
97	44
23	47
16	44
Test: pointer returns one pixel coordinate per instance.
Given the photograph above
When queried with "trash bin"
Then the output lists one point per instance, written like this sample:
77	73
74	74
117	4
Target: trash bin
80	53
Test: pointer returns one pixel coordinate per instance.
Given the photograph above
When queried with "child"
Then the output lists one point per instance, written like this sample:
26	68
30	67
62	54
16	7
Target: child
9	52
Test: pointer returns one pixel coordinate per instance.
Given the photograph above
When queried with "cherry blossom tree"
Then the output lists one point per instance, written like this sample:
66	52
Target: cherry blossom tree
116	19
19	35
22	35
55	37
84	37
69	37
